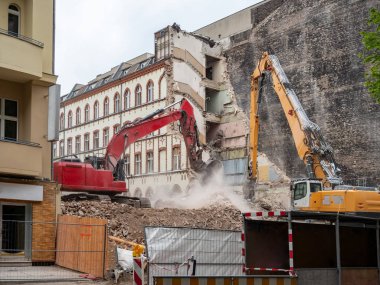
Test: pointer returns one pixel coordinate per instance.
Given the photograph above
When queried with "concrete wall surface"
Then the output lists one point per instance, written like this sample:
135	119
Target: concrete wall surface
317	43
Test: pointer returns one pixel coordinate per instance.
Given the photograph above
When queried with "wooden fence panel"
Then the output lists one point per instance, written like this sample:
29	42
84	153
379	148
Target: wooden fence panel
82	244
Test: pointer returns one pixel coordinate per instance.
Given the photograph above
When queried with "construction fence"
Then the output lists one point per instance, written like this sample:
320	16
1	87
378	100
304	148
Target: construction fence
79	250
187	251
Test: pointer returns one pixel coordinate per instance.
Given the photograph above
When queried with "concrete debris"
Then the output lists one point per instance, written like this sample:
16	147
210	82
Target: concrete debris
128	223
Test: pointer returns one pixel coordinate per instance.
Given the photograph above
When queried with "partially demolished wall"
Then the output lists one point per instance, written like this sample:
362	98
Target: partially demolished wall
318	43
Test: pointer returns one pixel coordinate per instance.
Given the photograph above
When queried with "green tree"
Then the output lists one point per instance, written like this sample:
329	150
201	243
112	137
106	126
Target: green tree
371	55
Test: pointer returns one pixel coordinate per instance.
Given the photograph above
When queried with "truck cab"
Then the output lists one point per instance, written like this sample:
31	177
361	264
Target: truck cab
302	191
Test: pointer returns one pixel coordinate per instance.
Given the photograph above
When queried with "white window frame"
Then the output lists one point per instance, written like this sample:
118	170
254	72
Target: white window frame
3	117
70	119
69	146
138	164
96	110
138	94
106	136
95	139
127	99
149	162
77	144
87	113
176	161
106	107
117	103
86	139
77	116
150	92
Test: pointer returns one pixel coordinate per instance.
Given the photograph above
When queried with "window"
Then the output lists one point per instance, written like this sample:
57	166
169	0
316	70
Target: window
162	160
54	149
149	162
138	164
61	148
96	140
127	164
62	121
77	116
116	128
106	137
116	101
96	110
13	20
176	165
138	95
77	144
106	106
70	119
86	142
300	190
87	113
315	187
149	91
8	119
127	99
69	146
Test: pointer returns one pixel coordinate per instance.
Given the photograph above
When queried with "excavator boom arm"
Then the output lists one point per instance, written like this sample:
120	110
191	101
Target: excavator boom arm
316	153
131	132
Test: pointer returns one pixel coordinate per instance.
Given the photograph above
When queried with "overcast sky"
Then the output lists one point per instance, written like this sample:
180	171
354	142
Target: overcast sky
92	36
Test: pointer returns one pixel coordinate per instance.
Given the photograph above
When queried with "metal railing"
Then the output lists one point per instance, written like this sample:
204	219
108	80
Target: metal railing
23	142
21	37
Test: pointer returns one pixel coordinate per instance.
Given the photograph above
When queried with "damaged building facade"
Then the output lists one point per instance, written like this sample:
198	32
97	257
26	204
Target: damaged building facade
318	44
185	65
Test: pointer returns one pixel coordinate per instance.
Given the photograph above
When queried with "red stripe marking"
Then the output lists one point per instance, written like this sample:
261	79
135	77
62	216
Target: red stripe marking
136	278
242	236
291	254
290	237
137	261
282	213
259	214
243	251
247	214
243	268
271	214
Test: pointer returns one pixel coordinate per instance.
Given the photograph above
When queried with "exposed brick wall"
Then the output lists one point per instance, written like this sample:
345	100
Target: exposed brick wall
317	42
44	228
44	215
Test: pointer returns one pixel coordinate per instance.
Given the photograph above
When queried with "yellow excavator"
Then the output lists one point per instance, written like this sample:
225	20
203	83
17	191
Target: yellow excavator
323	190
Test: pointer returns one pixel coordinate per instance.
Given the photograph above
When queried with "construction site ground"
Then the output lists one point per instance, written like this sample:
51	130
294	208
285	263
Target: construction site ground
128	223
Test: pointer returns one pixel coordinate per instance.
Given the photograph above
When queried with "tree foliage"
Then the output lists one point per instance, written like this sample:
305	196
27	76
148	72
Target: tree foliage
371	55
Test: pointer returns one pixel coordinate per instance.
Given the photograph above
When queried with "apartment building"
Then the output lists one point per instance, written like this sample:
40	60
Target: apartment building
184	65
28	199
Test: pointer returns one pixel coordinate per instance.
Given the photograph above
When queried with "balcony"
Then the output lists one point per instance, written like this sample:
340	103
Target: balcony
20	158
20	58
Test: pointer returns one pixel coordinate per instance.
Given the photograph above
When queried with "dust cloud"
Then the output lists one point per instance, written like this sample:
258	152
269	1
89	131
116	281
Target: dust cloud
213	191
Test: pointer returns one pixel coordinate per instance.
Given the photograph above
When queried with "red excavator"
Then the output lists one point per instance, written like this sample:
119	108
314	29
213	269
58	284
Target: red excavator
105	176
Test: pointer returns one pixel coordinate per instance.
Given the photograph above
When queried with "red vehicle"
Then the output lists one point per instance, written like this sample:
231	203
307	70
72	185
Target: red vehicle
105	175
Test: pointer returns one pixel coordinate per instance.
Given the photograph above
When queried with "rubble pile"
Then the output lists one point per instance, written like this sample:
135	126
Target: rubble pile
128	223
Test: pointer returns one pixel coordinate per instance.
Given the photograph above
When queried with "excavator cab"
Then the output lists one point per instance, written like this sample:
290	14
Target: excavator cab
302	190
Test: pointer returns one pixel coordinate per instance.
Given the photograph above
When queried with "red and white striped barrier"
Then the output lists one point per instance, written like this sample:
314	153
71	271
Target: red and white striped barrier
138	271
266	214
290	241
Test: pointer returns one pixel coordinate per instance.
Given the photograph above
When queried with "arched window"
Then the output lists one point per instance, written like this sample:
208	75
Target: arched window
77	116
116	103
138	95
62	121
87	113
106	108
70	119
149	91
13	20
96	110
127	99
